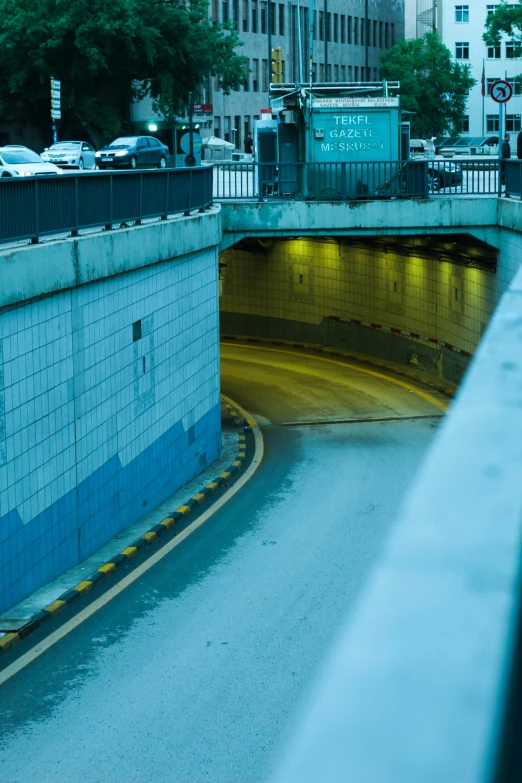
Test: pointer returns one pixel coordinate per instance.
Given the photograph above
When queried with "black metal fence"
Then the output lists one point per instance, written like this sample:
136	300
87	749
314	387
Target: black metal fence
33	207
369	180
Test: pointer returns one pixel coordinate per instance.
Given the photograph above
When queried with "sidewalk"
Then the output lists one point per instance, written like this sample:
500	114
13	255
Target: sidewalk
26	616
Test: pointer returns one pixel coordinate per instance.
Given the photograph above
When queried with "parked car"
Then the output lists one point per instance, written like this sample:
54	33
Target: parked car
18	161
71	155
133	151
443	174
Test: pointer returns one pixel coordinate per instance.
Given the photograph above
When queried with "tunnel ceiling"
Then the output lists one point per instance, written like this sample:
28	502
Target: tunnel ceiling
462	249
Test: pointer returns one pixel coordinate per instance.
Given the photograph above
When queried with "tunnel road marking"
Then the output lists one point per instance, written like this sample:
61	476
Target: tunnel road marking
42	647
410	387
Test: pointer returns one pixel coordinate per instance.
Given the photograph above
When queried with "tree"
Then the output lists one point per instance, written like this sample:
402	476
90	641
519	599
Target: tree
506	19
433	87
107	54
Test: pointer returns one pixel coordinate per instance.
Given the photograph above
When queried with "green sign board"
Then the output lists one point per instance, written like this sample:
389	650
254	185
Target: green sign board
354	130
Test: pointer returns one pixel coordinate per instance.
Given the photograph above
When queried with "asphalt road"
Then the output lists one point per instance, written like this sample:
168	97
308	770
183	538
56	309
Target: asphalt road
196	672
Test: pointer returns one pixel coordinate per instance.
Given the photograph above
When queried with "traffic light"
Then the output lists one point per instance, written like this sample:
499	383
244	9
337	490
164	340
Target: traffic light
277	66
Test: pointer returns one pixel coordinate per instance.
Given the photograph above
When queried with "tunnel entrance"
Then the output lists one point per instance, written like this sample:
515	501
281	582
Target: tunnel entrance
421	301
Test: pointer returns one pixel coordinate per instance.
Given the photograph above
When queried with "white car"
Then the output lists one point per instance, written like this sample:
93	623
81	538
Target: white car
71	155
23	162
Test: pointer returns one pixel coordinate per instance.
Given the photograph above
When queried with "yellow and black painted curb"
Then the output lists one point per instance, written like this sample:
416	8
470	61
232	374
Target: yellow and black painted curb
441	386
9	640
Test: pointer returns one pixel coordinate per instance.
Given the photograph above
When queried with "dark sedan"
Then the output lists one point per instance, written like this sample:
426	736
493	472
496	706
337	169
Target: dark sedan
443	174
129	152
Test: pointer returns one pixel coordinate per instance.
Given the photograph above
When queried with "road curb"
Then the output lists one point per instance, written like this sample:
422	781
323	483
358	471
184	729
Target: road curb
449	390
10	639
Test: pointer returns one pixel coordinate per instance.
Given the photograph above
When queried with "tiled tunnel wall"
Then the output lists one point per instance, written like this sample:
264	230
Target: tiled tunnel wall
109	401
293	288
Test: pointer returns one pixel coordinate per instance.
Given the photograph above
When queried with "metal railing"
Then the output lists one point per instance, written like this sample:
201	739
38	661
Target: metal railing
370	180
31	208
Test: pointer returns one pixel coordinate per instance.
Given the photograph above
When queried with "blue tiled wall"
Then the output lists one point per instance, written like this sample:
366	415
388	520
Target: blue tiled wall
96	427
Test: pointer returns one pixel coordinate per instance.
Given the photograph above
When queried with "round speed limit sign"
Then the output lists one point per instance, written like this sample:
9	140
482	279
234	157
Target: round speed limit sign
501	91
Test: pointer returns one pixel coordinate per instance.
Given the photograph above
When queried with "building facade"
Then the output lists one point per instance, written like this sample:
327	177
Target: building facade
461	26
348	39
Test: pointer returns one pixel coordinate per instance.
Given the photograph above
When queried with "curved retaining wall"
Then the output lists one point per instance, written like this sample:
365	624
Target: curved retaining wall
109	388
405	308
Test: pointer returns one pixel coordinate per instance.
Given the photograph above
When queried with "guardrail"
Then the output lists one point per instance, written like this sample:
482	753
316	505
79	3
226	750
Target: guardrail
337	181
34	207
425	683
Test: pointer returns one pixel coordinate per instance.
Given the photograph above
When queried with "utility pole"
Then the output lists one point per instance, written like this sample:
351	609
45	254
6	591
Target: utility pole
269	31
366	37
326	31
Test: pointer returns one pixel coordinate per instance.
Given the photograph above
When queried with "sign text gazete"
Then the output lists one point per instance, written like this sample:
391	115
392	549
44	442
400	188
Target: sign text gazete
352	133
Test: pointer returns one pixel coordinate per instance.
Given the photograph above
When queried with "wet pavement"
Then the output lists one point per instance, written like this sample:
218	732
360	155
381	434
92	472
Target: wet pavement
196	672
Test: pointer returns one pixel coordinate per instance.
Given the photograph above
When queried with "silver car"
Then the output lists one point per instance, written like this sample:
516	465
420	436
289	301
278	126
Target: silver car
71	155
18	161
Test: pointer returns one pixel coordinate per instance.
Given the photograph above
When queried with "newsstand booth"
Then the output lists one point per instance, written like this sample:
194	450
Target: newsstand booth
349	136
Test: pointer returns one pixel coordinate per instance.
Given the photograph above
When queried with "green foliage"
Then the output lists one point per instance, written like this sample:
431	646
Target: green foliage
107	53
433	87
506	19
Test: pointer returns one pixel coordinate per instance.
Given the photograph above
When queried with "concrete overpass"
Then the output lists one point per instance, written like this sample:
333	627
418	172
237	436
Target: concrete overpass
426	671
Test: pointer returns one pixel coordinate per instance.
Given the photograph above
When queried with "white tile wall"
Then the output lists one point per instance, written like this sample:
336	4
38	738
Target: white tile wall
76	408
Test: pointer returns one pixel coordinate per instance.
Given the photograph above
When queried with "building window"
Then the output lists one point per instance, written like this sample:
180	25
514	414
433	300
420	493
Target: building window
465	124
254	16
281	19
380	35
386	35
255	76
349	29
321	72
513	50
314	72
336	73
328	26
329	74
356	72
336	27
321	26
392	27
462	50
362	32
224	11
245	16
493	52
517	88
349	73
355	30
343	73
513	122
226	134
273	18
489	85
490	9
263	18
343	29
462	13
265	76
492	123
